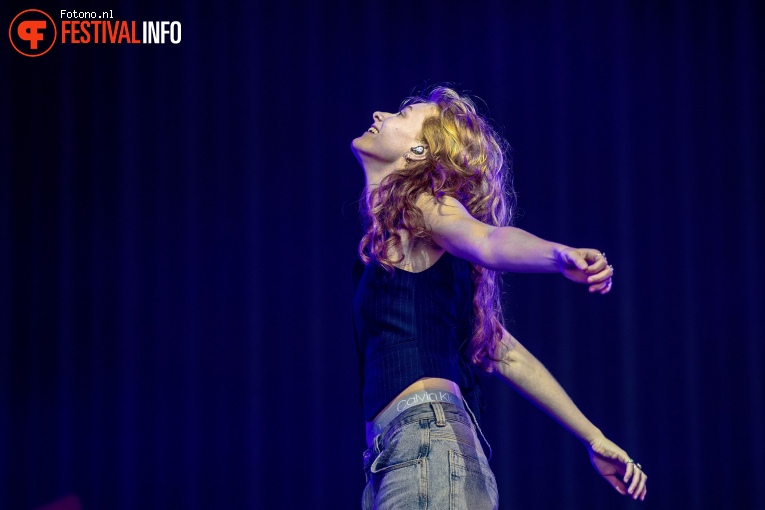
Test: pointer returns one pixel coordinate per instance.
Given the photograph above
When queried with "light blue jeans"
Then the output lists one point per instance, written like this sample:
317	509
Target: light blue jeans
429	456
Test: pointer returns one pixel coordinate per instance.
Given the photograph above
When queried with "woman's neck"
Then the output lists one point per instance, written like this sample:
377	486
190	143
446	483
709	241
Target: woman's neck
375	172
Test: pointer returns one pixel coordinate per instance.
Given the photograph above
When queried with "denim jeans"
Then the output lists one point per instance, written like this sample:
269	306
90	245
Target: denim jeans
429	456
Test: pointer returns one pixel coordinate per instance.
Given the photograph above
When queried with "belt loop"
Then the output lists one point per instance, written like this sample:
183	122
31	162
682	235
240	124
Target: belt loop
440	417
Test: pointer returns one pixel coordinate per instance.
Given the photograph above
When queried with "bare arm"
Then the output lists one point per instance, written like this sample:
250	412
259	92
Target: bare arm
510	248
517	367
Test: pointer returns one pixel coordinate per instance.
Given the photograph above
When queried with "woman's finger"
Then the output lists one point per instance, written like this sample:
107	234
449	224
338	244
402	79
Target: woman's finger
607	288
600	287
638	493
636	475
628	472
617	484
602	276
574	258
597	266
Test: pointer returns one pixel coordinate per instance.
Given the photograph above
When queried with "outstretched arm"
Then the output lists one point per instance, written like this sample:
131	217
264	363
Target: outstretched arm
510	248
517	367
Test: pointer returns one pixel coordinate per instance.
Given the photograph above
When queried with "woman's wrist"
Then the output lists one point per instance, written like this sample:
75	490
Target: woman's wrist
592	437
558	251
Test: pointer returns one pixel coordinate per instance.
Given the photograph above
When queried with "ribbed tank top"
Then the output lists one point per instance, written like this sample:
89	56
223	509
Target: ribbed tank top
413	325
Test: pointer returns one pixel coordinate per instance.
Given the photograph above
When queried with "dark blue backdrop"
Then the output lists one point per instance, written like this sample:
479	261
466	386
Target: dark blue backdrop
177	226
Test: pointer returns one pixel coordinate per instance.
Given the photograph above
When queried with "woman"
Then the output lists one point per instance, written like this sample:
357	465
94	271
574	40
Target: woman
427	309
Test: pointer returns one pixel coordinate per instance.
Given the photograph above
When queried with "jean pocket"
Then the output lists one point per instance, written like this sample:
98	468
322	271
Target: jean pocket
472	484
400	448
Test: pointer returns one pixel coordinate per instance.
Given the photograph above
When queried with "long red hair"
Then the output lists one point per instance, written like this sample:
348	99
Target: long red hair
467	160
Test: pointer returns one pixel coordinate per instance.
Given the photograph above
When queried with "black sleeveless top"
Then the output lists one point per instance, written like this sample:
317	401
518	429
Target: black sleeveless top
412	325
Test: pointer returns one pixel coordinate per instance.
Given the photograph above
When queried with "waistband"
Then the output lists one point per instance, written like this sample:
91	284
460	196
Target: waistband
406	402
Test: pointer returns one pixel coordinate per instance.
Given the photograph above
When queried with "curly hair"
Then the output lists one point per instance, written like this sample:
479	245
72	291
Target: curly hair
468	161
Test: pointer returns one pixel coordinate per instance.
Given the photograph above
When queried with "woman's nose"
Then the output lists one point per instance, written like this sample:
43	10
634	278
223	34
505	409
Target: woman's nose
380	116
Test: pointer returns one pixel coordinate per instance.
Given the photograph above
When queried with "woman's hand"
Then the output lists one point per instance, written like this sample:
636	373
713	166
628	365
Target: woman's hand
617	468
585	265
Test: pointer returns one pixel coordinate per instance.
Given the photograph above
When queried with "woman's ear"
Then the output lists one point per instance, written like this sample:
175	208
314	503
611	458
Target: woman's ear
416	153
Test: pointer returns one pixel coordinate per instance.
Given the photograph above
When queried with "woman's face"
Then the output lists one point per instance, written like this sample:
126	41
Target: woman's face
392	135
